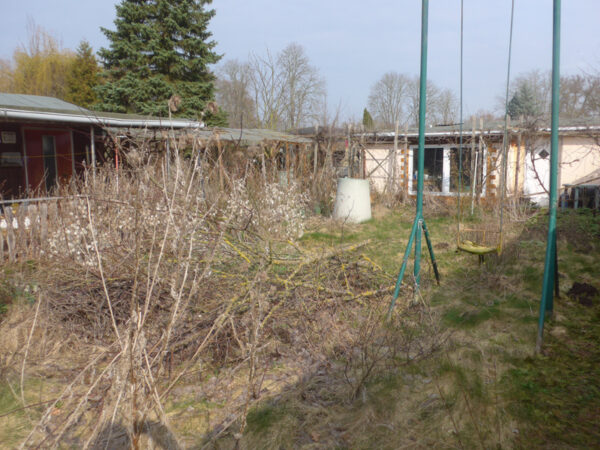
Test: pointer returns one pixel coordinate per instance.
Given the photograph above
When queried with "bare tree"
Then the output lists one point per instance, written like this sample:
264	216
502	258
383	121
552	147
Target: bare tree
395	98
580	96
388	97
441	104
286	89
267	87
325	115
571	88
234	93
302	85
445	107
530	96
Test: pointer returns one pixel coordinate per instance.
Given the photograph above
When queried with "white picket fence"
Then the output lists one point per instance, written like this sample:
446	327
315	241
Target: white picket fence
24	230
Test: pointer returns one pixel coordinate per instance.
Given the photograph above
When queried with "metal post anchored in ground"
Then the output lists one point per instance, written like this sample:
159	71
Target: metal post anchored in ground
419	225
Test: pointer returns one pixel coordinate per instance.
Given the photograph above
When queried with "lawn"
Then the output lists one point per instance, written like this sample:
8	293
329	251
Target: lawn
453	367
484	387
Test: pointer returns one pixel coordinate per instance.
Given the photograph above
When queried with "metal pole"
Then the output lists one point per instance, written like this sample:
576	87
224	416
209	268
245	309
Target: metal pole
460	142
413	231
422	108
417	224
505	141
431	254
418	246
546	304
473	176
421	161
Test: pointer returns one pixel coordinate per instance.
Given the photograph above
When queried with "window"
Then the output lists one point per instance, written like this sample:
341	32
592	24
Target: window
434	173
49	156
441	170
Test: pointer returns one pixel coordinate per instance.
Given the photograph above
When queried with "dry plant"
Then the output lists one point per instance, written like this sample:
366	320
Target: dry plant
153	275
379	346
126	258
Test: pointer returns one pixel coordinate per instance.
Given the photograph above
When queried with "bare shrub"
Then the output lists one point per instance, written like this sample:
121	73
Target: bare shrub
379	346
154	275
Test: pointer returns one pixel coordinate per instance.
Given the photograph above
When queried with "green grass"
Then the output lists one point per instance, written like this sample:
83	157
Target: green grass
468	302
557	397
484	387
483	381
518	301
319	236
383	394
8	295
329	238
262	418
465	380
15	426
469	318
532	277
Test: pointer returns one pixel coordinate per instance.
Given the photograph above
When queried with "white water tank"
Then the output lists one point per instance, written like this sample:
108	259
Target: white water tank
353	200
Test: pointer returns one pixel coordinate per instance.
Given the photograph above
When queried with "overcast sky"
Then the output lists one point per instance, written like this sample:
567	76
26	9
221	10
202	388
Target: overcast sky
353	43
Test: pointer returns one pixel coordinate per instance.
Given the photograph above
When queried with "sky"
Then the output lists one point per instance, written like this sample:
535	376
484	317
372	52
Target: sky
353	43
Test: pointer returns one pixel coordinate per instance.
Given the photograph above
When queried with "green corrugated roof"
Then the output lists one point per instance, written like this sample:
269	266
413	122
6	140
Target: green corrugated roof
37	103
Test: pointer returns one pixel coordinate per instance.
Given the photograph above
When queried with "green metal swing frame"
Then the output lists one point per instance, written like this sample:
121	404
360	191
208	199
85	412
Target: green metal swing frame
419	227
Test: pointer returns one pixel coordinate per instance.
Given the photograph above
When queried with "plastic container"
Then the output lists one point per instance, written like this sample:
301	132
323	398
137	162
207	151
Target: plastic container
353	200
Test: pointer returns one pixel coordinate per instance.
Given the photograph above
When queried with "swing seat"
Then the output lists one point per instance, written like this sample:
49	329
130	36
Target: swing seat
476	249
479	241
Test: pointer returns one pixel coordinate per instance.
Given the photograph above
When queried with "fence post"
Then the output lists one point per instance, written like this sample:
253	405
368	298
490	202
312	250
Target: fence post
10	233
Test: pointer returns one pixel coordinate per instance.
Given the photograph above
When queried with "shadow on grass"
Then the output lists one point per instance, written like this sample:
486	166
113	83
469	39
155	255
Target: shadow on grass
482	389
116	437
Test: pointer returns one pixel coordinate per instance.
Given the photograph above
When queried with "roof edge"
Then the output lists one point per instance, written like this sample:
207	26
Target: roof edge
97	119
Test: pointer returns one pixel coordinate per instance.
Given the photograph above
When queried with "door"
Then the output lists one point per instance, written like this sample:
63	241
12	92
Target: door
49	158
537	176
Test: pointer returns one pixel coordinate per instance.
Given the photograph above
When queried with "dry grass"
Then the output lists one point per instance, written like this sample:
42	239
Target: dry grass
152	280
165	310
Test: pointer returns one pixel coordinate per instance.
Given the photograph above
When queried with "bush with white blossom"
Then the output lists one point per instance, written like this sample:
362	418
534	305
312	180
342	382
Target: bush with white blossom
273	209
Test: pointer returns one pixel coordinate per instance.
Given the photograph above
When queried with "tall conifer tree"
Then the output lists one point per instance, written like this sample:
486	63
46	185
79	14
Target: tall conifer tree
367	120
160	49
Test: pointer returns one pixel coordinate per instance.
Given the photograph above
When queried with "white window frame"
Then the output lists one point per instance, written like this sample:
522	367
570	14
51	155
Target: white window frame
447	148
